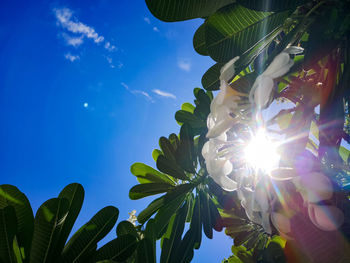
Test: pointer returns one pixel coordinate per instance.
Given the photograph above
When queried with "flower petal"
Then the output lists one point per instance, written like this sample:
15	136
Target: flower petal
326	217
228	70
317	186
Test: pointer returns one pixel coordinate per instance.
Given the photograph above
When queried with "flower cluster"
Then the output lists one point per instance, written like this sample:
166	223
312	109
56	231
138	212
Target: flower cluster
230	127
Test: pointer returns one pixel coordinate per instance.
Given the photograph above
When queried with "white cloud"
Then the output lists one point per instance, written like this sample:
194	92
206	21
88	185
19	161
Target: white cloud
124	85
146	19
141	92
109	46
65	19
155	29
164	94
71	57
184	64
73	41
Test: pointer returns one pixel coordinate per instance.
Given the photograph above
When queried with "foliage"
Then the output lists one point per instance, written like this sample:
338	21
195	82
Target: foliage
256	31
43	238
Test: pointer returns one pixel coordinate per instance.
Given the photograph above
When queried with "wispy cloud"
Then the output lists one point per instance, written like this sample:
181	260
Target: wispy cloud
73	41
164	94
147	20
155	29
141	92
66	20
184	64
110	47
71	57
72	25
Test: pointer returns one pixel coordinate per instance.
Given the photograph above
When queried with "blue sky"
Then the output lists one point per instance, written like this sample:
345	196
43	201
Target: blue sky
86	89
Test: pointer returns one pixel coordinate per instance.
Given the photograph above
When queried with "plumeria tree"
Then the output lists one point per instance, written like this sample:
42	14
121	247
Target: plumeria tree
261	153
277	183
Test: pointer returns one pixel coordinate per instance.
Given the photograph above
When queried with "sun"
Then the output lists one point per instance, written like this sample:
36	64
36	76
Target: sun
261	152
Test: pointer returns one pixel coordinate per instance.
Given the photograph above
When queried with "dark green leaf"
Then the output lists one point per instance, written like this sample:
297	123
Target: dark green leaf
146	174
150	234
118	249
199	41
162	201
178	10
165	213
196	223
171	243
8	229
234	29
145	252
184	252
48	222
74	193
271	5
10	195
171	168
142	190
174	140
205	214
125	228
185	155
210	79
89	234
186	117
242	237
167	148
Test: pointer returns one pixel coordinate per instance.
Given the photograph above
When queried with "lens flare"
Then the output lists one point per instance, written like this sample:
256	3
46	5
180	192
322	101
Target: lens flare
261	153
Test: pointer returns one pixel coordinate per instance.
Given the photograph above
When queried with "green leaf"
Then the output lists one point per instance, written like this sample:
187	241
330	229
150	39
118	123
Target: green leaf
185	155
164	214
199	41
186	117
155	154
142	190
10	195
167	148
196	223
344	154
178	10
170	167
145	251
150	234
119	249
174	140
187	107
171	243
205	214
234	29
210	79
184	252
146	174
48	222
8	229
126	228
153	207
271	5
89	234
215	215
74	193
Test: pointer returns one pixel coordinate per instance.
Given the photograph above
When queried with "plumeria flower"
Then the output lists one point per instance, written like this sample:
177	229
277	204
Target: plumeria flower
261	93
132	217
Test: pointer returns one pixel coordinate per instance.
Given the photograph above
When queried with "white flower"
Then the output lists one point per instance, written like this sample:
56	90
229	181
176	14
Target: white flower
261	93
133	218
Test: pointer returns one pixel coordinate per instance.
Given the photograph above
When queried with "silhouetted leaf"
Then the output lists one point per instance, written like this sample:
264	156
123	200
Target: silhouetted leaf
234	29
86	238
170	167
118	249
199	41
178	10
126	228
142	190
8	229
10	195
210	79
271	5
48	222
